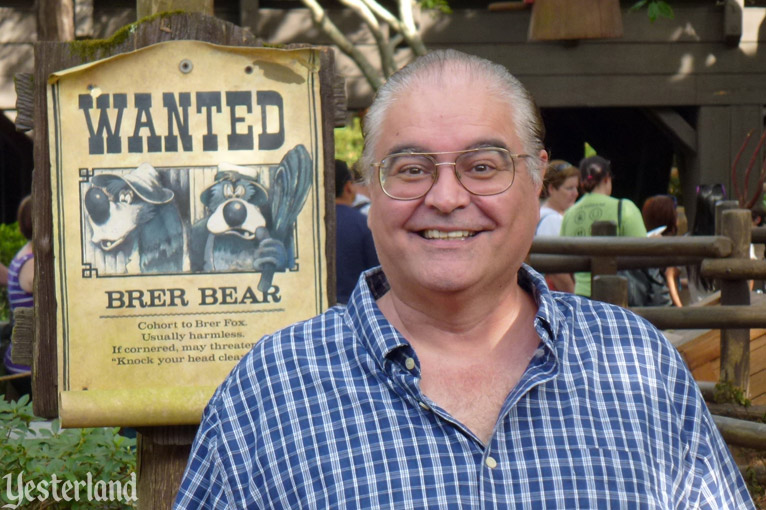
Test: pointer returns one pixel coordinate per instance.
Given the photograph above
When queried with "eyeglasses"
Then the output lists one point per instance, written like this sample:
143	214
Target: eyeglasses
483	171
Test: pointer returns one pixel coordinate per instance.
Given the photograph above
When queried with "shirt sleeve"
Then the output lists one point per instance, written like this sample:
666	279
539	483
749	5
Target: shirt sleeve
202	485
718	482
711	477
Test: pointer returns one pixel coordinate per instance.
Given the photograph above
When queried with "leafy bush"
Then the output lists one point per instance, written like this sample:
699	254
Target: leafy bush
349	142
75	455
11	241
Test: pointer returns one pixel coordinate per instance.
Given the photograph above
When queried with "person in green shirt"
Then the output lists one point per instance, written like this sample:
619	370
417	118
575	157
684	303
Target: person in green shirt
596	204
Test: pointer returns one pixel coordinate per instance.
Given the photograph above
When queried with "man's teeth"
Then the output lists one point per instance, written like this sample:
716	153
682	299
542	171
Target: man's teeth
455	234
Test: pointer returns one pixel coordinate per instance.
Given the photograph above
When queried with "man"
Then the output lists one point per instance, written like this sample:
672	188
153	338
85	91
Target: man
454	378
354	247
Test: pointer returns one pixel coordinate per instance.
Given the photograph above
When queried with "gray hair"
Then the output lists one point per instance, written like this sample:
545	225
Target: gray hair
522	108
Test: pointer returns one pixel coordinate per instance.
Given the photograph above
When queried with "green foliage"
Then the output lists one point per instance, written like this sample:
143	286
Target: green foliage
11	241
726	393
439	5
655	9
47	454
349	142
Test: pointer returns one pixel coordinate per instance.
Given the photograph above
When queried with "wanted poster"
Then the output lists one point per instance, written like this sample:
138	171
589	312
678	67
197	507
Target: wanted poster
188	222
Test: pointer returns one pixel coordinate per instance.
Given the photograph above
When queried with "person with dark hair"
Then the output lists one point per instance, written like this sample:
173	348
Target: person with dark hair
454	378
559	192
661	219
660	216
21	273
597	205
354	247
708	195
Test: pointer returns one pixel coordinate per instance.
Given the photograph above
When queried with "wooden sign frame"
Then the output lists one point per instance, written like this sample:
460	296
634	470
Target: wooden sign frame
53	57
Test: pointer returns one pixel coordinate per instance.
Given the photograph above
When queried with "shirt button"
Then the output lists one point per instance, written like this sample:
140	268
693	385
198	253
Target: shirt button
491	463
409	363
424	406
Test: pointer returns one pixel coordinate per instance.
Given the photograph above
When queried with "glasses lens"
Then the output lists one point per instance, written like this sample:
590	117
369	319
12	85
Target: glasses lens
486	172
407	176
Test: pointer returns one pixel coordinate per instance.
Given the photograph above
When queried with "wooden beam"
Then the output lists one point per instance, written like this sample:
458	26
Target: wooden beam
732	22
146	8
672	123
704	317
697	246
555	20
741	432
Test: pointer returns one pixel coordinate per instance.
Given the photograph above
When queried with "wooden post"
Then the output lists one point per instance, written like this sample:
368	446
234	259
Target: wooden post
161	461
55	20
735	343
610	288
605	285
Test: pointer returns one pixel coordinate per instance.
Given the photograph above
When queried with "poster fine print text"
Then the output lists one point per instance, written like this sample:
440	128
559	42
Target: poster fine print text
188	222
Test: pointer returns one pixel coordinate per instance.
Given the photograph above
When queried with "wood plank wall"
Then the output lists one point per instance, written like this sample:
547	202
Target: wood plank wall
684	61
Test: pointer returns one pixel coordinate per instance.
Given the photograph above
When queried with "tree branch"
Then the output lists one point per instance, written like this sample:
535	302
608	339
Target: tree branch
384	14
331	30
386	52
410	31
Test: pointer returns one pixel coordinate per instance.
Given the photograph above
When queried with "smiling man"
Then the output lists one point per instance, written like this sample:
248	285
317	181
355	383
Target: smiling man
454	378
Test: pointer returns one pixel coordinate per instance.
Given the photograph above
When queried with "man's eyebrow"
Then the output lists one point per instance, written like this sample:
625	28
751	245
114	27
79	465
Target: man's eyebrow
398	149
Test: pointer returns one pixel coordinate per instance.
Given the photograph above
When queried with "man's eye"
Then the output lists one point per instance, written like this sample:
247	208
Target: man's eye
410	171
480	170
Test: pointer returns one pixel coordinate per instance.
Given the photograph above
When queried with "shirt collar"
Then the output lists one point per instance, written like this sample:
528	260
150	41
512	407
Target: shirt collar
549	319
377	335
380	337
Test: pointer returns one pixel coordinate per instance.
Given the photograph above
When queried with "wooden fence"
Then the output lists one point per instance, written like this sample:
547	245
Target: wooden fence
724	256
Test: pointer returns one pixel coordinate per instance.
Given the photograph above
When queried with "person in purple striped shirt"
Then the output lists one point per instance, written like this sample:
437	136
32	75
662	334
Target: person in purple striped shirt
21	273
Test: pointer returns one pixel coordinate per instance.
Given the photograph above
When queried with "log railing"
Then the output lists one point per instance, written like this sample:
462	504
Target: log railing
724	257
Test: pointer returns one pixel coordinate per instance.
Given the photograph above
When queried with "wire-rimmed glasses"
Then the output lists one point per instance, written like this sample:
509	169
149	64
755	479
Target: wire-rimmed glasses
482	171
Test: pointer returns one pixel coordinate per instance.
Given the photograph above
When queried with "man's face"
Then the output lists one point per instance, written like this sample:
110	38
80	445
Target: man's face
450	240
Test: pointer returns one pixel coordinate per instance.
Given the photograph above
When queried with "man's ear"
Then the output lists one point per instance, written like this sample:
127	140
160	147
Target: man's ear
543	165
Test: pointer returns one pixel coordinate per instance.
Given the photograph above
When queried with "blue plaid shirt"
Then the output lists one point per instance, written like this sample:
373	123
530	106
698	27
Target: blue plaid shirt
328	413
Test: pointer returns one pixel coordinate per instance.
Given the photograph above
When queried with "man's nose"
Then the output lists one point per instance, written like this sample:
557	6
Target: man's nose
447	194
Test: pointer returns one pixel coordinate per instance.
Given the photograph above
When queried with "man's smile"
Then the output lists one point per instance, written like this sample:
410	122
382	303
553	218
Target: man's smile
450	235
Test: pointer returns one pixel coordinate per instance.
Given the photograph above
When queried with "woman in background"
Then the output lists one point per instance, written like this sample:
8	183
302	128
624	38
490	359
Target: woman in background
559	192
661	219
597	205
704	225
21	273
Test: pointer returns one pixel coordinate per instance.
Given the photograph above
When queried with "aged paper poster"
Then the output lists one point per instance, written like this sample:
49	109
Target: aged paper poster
188	221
